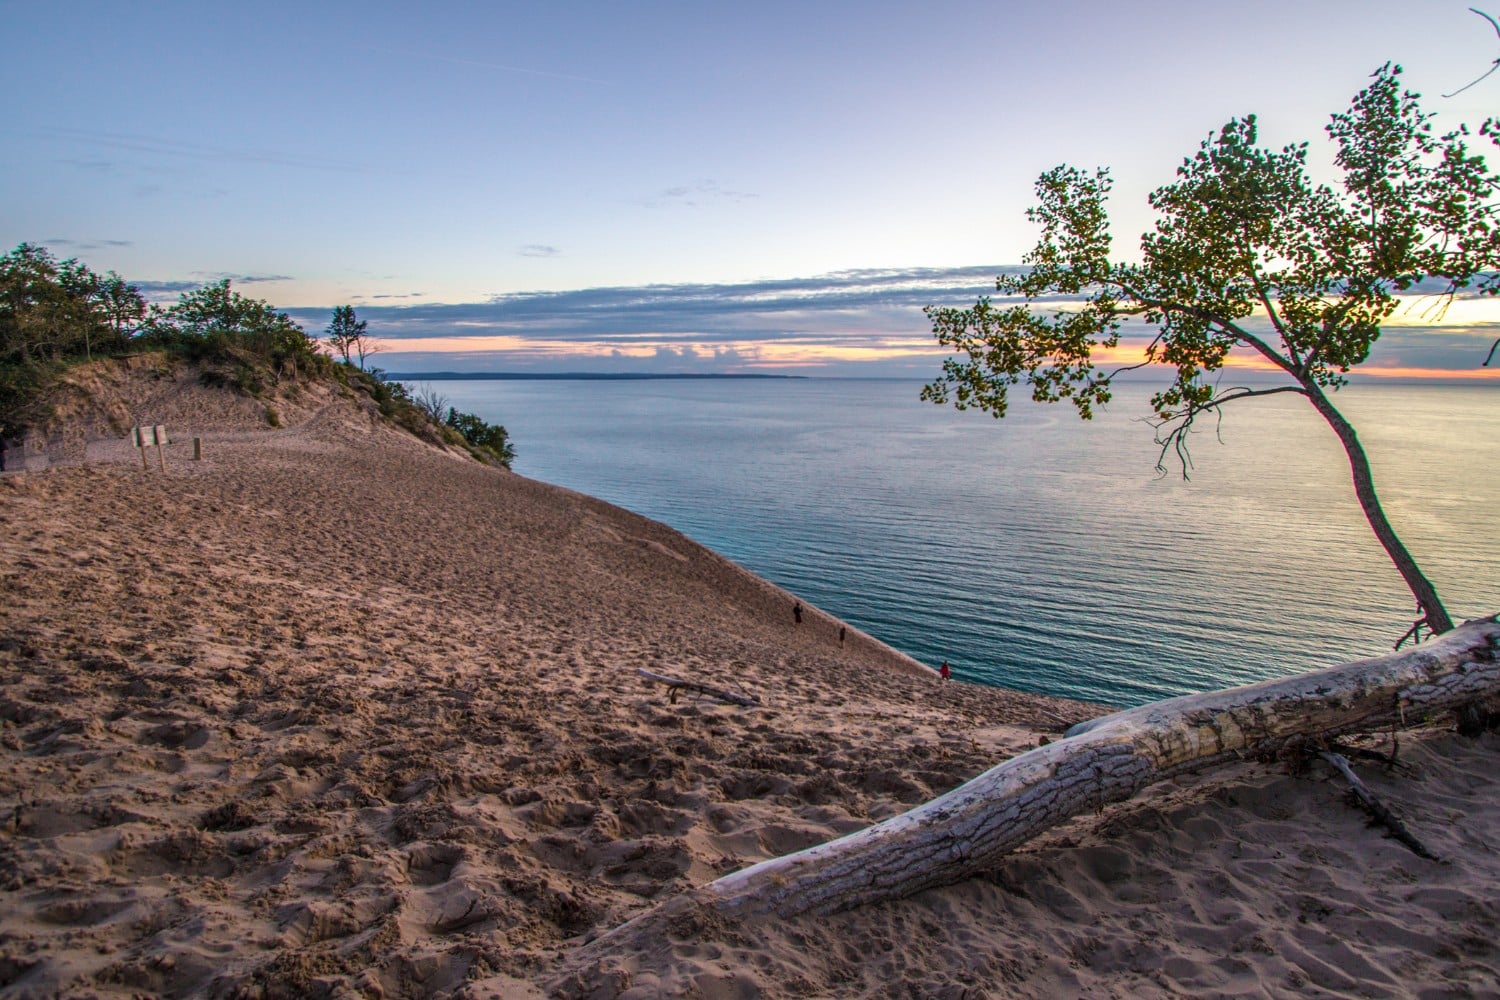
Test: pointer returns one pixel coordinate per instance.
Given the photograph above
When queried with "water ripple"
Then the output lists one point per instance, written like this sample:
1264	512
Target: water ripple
1040	552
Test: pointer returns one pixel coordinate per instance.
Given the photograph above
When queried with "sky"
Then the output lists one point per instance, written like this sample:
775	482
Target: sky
661	186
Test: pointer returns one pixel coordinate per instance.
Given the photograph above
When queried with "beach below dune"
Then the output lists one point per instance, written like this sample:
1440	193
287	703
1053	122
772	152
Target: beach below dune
334	713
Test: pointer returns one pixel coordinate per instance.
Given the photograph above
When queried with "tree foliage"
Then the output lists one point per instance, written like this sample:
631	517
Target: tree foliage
215	321
1247	252
51	309
488	438
51	313
242	342
54	314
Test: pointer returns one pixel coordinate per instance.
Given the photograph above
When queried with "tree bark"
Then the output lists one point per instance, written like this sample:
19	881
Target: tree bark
964	832
1433	613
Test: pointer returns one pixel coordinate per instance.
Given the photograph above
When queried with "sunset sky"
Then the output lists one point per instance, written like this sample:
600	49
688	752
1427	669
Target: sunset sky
660	186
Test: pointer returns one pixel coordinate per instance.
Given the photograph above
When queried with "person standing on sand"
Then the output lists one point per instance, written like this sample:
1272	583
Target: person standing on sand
944	672
843	630
797	612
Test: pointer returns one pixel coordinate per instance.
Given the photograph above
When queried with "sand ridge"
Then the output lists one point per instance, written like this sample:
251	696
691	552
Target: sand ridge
335	713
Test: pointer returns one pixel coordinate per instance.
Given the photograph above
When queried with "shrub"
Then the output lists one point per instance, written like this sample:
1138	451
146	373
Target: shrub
489	441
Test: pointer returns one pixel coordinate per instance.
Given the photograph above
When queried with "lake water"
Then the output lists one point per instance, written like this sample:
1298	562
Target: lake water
1041	552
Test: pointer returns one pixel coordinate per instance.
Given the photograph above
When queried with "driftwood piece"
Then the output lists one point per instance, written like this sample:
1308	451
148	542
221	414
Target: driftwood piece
1108	760
1377	809
677	684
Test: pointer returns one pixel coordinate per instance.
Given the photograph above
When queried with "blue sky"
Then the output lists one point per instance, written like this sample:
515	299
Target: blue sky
653	185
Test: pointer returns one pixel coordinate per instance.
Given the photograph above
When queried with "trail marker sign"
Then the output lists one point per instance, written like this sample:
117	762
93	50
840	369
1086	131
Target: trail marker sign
146	436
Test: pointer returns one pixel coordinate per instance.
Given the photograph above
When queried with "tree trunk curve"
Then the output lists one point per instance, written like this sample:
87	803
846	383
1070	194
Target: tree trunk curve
1434	614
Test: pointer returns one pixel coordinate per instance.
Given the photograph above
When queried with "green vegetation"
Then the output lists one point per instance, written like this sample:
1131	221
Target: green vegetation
346	335
1247	252
485	437
55	315
242	342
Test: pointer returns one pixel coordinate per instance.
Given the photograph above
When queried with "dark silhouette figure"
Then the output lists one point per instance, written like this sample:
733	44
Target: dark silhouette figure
843	631
797	612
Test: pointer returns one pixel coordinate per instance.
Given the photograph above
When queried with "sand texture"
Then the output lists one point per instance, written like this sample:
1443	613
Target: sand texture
334	713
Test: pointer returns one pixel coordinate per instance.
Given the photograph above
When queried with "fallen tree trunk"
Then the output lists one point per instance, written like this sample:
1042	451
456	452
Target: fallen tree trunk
1109	759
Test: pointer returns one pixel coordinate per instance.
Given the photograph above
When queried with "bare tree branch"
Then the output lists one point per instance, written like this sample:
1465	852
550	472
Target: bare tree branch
1494	66
1493	23
1413	634
1378	810
431	402
1180	425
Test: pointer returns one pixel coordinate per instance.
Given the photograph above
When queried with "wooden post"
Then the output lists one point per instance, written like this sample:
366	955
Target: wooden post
160	433
144	437
197	449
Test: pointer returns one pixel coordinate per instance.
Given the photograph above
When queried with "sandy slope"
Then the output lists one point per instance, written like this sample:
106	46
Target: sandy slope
334	713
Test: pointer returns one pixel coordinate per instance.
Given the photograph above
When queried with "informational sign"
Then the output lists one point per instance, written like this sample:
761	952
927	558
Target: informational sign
155	435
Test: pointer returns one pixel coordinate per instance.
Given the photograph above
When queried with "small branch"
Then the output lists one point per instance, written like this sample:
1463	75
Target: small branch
1330	325
1265	301
1364	753
1413	634
1493	23
1227	327
677	684
1377	810
1251	340
1492	68
1142	364
1491	356
1176	437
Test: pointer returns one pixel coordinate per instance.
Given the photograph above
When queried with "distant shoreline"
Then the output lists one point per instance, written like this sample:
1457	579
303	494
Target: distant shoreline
1485	380
571	376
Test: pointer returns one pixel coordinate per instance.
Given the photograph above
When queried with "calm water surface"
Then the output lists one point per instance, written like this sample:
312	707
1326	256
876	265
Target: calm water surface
1041	552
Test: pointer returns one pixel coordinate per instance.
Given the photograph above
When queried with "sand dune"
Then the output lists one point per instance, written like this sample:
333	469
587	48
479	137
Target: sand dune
334	713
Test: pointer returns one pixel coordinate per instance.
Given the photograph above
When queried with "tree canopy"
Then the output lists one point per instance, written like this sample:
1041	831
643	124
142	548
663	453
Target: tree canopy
491	439
1247	252
51	309
52	312
215	320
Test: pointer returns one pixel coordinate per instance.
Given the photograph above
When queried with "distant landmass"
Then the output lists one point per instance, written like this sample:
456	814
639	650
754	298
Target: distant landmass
569	376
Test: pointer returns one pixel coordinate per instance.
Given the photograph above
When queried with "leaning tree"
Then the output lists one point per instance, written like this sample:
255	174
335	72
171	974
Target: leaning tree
1247	252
